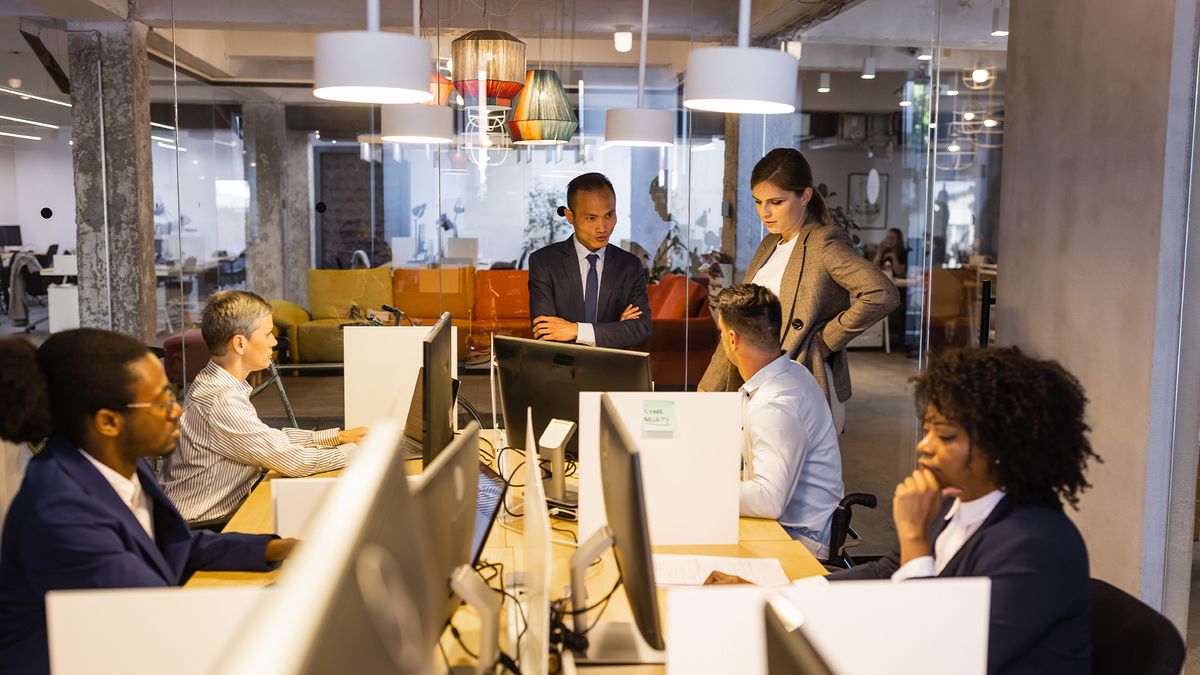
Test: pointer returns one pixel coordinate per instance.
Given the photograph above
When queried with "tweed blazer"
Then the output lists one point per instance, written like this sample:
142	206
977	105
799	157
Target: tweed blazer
822	275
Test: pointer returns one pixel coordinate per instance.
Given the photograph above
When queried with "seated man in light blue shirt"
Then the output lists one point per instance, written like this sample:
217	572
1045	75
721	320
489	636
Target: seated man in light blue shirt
791	464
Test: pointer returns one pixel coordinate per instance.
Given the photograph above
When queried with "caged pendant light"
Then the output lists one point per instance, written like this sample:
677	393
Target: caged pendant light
643	127
372	66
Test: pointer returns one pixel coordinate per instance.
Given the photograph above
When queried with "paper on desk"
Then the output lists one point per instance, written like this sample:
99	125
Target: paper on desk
692	570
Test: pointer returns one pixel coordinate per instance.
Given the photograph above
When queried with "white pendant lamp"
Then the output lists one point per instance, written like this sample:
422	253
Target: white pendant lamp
416	123
823	84
741	79
642	127
429	124
372	66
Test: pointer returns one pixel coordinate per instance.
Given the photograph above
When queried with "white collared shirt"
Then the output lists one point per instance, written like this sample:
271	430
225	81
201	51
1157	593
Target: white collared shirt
965	519
587	334
770	275
792	467
130	491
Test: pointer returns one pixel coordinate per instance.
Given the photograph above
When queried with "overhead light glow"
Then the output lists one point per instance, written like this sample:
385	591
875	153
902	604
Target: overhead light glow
953	147
905	103
25	136
168	146
823	87
1000	21
623	41
989	123
160	125
22	120
924	55
980	75
968	116
162	139
868	72
26	95
952	92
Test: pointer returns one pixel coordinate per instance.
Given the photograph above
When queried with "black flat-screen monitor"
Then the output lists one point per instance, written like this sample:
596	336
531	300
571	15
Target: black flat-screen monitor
788	651
438	390
625	507
447	497
548	376
10	235
491	499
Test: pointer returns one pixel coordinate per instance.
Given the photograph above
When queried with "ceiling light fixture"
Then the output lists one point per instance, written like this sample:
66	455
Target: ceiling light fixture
952	92
1000	20
26	95
905	103
980	75
924	54
168	146
429	124
968	116
162	139
25	136
823	86
160	125
500	56
792	47
640	126
990	123
953	147
868	71
542	115
372	66
622	39
22	120
741	79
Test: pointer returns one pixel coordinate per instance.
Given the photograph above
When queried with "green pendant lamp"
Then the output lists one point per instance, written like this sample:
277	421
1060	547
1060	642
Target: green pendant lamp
542	115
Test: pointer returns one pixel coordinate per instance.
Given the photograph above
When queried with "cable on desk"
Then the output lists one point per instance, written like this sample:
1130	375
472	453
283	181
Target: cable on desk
560	542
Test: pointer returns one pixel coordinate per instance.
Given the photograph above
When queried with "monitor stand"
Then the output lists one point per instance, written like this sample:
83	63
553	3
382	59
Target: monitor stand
467	585
553	444
609	642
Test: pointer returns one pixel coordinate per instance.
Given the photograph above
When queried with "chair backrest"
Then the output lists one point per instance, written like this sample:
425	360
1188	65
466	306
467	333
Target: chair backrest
52	249
502	294
1130	637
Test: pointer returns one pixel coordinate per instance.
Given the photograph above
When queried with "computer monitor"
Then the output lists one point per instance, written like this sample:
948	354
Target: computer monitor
548	376
158	249
491	499
358	587
438	390
10	235
625	507
447	496
789	651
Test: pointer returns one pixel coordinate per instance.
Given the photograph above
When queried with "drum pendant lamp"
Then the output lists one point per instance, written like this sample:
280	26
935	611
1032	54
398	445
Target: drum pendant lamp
429	124
499	55
640	126
372	66
741	79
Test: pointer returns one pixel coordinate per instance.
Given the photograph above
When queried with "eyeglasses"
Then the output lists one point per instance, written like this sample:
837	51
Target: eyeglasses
167	406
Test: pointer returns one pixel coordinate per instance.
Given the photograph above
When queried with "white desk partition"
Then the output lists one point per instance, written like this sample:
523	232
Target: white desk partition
403	250
919	627
62	302
144	631
66	264
690	471
294	502
381	364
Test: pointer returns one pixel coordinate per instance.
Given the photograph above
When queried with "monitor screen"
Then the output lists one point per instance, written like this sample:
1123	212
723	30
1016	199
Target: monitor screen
789	651
548	376
625	507
438	390
10	235
443	500
491	500
359	584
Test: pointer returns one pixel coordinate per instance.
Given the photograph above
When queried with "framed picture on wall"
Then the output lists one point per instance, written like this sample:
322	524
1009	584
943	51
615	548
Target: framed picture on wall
870	214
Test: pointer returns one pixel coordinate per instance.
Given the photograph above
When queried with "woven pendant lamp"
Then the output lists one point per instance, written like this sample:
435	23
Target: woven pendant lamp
502	59
543	115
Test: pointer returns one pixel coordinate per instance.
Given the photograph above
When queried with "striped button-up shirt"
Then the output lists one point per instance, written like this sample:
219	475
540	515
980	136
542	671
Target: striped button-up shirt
224	447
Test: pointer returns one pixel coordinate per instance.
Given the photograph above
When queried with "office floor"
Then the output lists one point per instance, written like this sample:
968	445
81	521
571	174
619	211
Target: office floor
877	447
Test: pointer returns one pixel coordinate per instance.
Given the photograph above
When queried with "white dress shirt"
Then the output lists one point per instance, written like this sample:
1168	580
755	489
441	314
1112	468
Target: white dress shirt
770	275
224	447
965	519
791	463
587	334
130	491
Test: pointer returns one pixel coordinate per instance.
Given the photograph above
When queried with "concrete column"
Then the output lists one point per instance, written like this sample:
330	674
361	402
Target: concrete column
264	136
114	204
297	218
1098	167
757	135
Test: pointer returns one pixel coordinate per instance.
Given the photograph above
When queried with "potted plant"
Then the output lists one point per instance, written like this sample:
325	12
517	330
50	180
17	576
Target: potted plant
842	219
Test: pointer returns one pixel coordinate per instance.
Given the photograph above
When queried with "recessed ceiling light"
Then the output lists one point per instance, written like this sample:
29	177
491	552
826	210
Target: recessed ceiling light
22	120
905	104
989	123
952	92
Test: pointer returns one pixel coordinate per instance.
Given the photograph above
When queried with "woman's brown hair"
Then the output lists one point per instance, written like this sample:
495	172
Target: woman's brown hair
787	169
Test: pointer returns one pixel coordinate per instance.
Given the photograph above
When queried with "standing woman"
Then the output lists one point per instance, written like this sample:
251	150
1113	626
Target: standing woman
808	262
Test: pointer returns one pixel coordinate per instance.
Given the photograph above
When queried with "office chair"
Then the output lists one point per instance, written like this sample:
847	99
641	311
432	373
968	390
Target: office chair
52	249
840	530
1130	637
36	291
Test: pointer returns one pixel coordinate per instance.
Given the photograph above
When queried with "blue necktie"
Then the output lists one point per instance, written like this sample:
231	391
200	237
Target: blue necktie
591	292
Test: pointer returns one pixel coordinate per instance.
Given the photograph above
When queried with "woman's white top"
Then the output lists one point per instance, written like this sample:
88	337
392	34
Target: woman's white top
770	275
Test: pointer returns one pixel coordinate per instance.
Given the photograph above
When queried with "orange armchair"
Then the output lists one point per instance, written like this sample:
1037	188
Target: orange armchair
685	334
424	294
501	306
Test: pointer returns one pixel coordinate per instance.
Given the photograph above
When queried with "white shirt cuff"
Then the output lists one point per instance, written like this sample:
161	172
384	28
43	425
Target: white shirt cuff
915	569
587	335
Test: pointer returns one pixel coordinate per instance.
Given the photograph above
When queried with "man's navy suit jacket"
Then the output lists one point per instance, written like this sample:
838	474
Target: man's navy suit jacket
1041	598
556	289
67	528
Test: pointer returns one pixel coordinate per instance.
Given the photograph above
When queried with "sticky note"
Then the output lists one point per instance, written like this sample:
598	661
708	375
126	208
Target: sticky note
658	416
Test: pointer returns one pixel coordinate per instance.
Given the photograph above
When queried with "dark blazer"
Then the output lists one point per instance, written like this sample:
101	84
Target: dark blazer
556	289
822	276
67	528
1041	593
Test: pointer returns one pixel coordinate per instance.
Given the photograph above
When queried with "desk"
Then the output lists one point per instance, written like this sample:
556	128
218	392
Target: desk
758	538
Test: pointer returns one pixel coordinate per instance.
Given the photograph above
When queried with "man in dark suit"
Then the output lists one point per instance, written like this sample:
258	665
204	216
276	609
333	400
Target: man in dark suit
584	289
89	513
